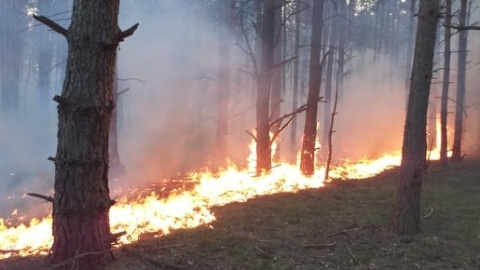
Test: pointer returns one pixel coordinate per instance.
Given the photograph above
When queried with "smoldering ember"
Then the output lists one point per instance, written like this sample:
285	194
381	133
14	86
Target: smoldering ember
126	119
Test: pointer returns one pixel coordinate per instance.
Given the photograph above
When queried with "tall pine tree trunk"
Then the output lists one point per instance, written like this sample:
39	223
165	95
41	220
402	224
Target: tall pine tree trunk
276	89
307	161
406	212
446	83
263	148
296	71
81	202
460	98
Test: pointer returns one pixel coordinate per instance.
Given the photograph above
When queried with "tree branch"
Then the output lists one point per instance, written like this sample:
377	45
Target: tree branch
463	27
47	198
53	25
251	134
127	33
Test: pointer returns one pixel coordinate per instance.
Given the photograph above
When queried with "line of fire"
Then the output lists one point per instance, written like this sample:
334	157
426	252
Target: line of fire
127	120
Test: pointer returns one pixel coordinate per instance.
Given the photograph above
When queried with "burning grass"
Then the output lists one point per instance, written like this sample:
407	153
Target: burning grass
341	226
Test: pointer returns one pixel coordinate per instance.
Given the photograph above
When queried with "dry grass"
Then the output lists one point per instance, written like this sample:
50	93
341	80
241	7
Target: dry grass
341	226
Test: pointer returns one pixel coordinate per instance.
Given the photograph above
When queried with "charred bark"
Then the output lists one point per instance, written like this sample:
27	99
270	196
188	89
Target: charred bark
81	228
307	161
406	212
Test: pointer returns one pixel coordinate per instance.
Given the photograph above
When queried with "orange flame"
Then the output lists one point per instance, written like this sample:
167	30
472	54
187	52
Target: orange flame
155	215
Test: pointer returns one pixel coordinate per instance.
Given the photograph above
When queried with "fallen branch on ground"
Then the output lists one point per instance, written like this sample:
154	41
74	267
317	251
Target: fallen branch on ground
327	245
429	213
347	230
156	262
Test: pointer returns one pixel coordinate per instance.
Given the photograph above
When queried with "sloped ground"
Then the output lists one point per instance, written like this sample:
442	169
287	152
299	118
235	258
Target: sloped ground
341	226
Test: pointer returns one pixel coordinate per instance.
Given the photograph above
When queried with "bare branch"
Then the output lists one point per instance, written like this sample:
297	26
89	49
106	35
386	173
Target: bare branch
463	27
47	198
290	117
127	33
53	25
132	79
251	135
123	91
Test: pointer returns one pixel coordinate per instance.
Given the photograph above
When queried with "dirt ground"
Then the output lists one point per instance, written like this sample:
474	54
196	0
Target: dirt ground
341	226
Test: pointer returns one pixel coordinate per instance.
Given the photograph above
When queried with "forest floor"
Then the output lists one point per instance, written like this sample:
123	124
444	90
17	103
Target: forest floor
341	226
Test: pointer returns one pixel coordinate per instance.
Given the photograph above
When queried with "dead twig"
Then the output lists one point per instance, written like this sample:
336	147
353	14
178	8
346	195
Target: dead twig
115	236
74	259
429	213
327	245
156	262
123	91
15	251
347	230
251	134
263	253
353	255
47	198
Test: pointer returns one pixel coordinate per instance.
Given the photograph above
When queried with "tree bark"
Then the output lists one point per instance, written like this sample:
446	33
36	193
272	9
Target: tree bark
406	212
460	97
307	161
296	77
115	166
446	83
81	228
276	89
327	109
227	15
410	45
263	148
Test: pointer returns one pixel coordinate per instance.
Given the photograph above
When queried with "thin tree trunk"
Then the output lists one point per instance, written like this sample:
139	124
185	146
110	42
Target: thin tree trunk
296	70
460	98
406	212
227	14
328	88
115	166
263	148
446	83
276	89
307	161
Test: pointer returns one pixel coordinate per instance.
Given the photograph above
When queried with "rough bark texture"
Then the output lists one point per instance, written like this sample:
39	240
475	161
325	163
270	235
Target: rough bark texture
406	213
460	98
81	205
307	161
263	148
